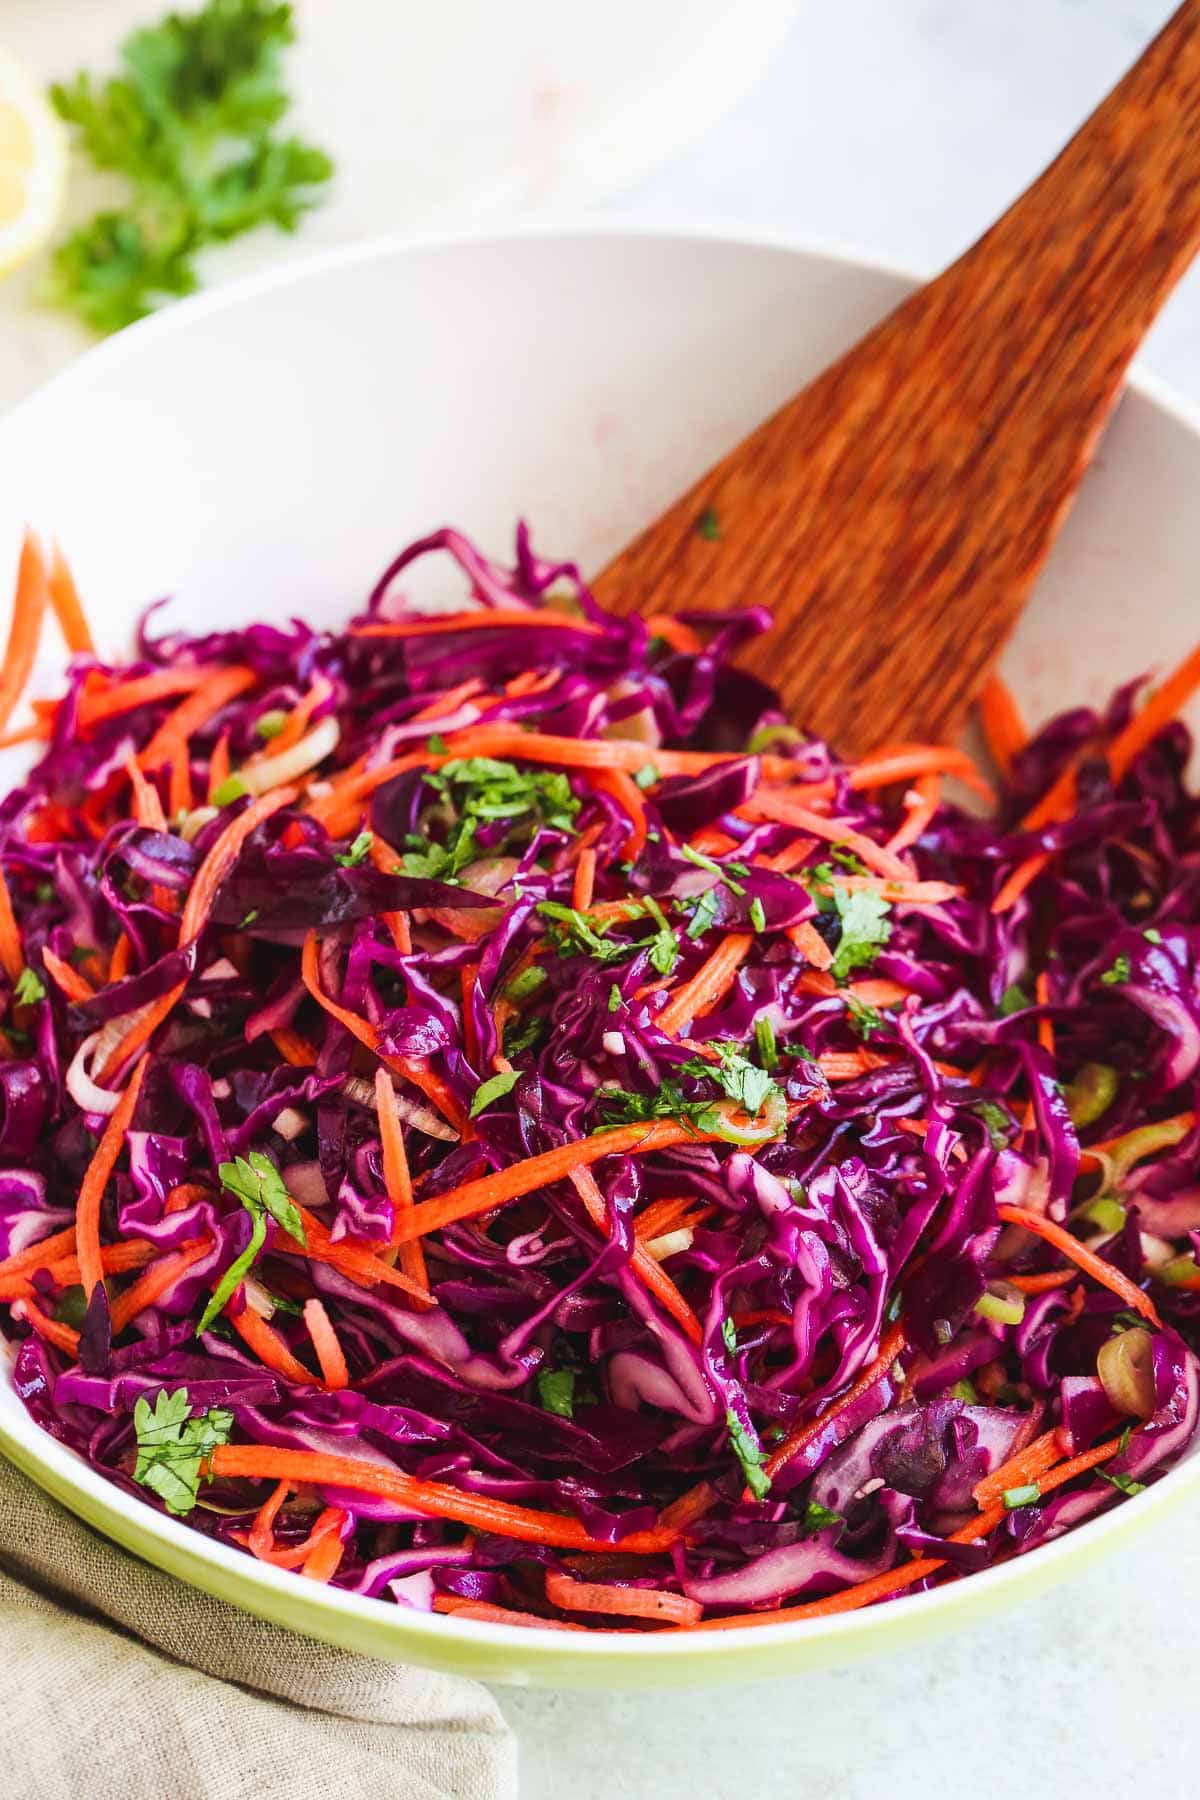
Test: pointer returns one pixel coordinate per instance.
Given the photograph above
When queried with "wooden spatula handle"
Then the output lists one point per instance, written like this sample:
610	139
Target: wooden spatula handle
895	513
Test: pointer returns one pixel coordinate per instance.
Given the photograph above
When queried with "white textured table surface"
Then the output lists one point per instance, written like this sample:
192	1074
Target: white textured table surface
902	126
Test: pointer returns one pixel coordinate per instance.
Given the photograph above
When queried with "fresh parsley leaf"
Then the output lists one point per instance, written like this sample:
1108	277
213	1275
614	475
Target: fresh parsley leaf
576	934
865	1019
435	743
493	1089
621	1106
171	1445
865	929
663	947
1120	972
556	1391
764	1039
998	1123
189	126
708	526
723	872
30	988
740	1080
819	1518
614	998
748	1451
524	1034
358	852
704	911
758	916
729	1334
257	1183
849	860
1014	999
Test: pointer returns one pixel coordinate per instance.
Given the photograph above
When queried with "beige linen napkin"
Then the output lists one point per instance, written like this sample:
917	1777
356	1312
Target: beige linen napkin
118	1683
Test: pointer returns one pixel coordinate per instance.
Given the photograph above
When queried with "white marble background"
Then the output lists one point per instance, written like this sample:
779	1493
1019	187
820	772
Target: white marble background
902	126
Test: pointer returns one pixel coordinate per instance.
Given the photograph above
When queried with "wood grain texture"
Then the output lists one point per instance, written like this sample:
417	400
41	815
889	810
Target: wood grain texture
895	514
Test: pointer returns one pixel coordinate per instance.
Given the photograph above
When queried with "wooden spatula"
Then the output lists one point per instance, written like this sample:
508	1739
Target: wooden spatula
896	512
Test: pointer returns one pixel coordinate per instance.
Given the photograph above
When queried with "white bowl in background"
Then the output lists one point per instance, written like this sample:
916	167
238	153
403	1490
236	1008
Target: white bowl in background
262	451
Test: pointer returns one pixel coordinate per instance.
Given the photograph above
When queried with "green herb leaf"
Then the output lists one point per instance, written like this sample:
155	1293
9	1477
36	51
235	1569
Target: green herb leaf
579	935
30	988
999	1125
556	1391
358	852
257	1183
528	982
865	929
748	1451
1013	1000
245	923
614	998
704	911
865	1019
493	1089
708	526
723	872
435	743
740	1080
663	947
171	1445
729	1334
965	1391
1124	1484
764	1039
819	1518
758	916
1119	973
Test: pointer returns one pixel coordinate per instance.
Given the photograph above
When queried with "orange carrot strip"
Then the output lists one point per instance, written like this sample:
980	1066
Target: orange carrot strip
162	1275
39	1255
843	1065
689	1507
1022	877
437	1499
629	1602
920	804
117	1259
330	1355
710	840
812	946
585	880
68	608
903	761
25	631
180	797
624	790
220	686
1038	1284
37	733
490	1191
261	1538
218	765
68	980
650	1273
12	953
708	986
396	1177
479	619
349	1259
451	698
487	1613
147	807
95	1180
1020	1470
1163	705
877	992
293	1048
118	965
97	704
673	631
296	723
803	1434
321	1563
1092	1265
781	809
1003	726
204	889
61	1336
269	1347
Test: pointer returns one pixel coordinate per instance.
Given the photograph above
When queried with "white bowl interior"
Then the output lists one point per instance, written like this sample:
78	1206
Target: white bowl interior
261	453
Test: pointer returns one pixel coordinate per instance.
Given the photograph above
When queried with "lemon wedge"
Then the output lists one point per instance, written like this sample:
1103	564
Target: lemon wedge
33	165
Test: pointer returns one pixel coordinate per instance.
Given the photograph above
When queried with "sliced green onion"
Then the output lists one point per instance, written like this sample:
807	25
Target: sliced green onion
231	789
270	724
965	1391
1091	1093
1004	1304
1179	1271
771	735
1021	1496
1105	1212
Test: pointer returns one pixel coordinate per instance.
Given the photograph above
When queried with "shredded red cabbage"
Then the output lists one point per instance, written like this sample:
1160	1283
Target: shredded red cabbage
668	1387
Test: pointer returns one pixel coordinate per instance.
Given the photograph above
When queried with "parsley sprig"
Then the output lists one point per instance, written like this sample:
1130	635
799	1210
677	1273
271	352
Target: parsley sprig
172	1445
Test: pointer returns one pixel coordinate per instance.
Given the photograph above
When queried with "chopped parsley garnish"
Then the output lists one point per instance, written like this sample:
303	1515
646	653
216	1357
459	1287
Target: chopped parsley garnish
614	998
573	934
749	1453
1014	999
999	1125
528	982
257	1183
358	852
764	1040
30	988
171	1446
708	525
865	1019
524	1034
865	929
704	911
740	1080
729	1334
480	790
1119	973
723	872
819	1518
663	947
495	1088
758	916
556	1391
435	743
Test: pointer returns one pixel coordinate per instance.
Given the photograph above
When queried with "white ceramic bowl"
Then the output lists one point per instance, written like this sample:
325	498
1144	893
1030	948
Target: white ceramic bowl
263	451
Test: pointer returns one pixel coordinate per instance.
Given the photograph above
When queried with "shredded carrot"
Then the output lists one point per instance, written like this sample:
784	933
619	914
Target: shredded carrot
903	761
710	840
875	1371
294	1048
1039	1284
12	953
321	1563
396	1177
1003	726
109	702
437	1499
117	1259
261	1538
920	805
450	699
220	686
95	1180
179	779
147	807
61	1336
877	992
844	1065
1020	1470
782	809
629	1602
68	980
664	1215
1163	705
650	1273
1092	1265
118	965
1023	876
708	986
689	1507
25	631
351	1260
161	1276
330	1355
68	608
387	861
585	880
673	631
621	787
201	895
468	976
39	1255
218	766
480	619
269	1347
485	1612
812	946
